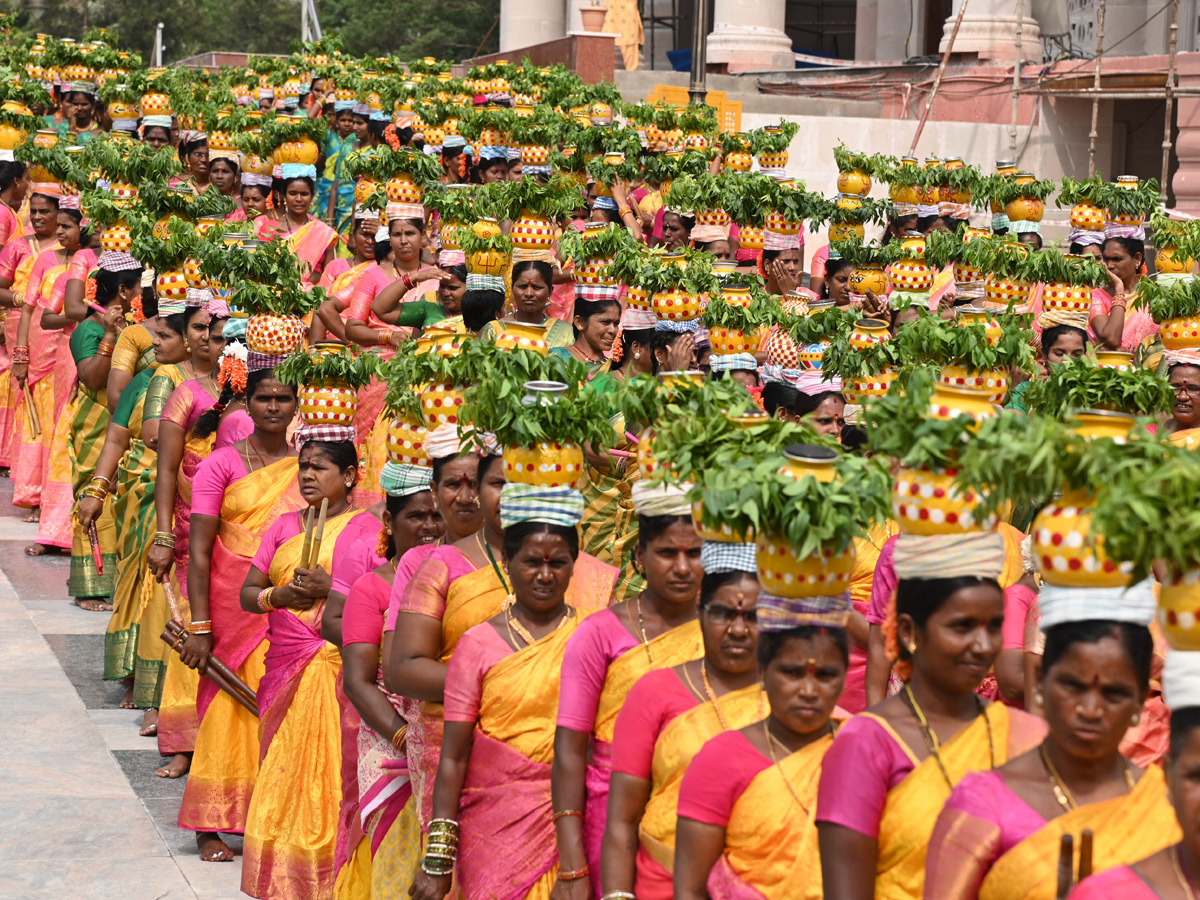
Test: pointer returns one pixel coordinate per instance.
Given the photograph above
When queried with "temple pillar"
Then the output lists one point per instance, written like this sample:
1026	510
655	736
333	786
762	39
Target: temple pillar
1185	184
748	36
524	23
989	29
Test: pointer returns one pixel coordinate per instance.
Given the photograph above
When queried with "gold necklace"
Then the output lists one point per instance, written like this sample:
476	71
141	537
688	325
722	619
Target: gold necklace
512	623
1058	784
771	742
712	697
1184	881
642	629
931	739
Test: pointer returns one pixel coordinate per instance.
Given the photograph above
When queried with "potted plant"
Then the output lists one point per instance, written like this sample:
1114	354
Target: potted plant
537	134
737	327
17	100
1130	201
960	183
746	200
974	357
610	168
405	174
997	259
1177	242
801	338
788	206
736	153
631	267
534	207
328	383
487	127
865	359
1086	199
907	181
127	167
1022	197
679	286
855	169
1175	305
1082	384
108	213
770	144
703	194
593	250
698	122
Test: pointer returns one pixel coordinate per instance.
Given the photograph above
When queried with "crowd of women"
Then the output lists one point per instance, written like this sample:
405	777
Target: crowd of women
312	446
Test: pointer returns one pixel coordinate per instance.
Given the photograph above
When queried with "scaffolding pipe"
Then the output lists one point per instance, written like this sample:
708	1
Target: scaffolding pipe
1172	44
1095	132
1012	129
938	80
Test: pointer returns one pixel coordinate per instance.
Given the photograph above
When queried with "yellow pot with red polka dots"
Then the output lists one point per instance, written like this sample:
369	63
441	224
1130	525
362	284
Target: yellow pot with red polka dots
171	285
406	443
440	403
783	574
1068	552
722	534
1180	334
1060	295
532	231
546	465
1179	610
327	404
727	341
750	237
872	386
926	502
912	275
274	335
637	298
992	383
117	238
675	306
522	336
769	160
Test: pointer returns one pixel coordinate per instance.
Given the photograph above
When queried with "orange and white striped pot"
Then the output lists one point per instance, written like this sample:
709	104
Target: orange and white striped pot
274	335
992	384
1064	550
449	234
440	403
406	443
548	464
727	341
783	574
675	306
925	502
171	286
328	404
1179	610
1180	334
532	232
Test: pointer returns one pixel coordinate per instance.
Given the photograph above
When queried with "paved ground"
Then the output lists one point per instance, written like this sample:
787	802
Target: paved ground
82	814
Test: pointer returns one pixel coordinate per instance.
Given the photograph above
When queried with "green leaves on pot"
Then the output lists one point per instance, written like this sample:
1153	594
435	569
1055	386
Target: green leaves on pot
695	276
932	340
861	211
863	255
544	128
698	119
763	312
748	198
472	124
1140	201
343	367
265	277
383	163
849	364
154	252
1050	266
1181	234
631	265
910	175
1163	301
470	243
608	171
1083	384
644	401
1004	189
1088	190
773	139
697	192
581	246
666	166
453	203
132	164
852	160
555	198
899	426
820	325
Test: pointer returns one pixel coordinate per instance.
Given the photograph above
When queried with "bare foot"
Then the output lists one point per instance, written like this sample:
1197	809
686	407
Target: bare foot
93	604
177	767
212	848
127	701
35	515
42	550
149	724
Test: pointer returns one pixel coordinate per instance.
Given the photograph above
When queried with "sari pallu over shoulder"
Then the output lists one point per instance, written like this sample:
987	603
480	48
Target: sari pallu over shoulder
1124	830
771	850
913	805
506	836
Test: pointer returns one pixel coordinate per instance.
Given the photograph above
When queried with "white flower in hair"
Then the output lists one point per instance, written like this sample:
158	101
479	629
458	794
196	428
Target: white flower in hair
235	350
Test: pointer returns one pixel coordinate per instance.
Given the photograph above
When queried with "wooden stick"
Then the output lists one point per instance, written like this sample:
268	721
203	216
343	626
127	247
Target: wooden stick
308	535
318	536
217	671
35	425
173	602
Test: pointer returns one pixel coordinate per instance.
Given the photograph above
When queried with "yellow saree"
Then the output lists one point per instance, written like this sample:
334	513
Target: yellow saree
1124	830
678	743
770	841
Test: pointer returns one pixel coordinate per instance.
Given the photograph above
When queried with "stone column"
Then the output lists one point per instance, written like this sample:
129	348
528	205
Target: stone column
524	23
1185	184
989	29
748	36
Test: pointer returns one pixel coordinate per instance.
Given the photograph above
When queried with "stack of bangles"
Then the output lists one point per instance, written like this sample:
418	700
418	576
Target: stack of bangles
200	626
164	539
264	599
570	874
442	850
105	348
97	488
18	300
20	355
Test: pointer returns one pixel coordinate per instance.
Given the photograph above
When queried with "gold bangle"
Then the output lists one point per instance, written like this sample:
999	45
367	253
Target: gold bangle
399	736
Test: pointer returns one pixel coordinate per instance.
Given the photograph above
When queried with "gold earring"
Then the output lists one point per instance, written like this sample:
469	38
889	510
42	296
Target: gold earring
912	647
1038	699
637	354
1079	709
1137	718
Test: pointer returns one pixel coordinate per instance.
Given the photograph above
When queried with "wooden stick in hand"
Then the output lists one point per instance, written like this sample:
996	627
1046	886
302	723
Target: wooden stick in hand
318	536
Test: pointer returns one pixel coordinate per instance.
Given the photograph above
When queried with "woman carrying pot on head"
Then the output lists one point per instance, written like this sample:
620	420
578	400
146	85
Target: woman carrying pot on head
193	153
1000	833
532	282
1113	324
670	714
1183	373
223	172
307	236
739	834
239	490
291	825
892	768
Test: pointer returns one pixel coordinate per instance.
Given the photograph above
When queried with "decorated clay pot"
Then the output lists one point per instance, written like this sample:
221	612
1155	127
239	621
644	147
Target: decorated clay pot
722	534
868	332
171	286
736	294
303	152
1025	209
1004	291
440	403
11	135
712	217
771	160
1179	610
905	193
647	464
1180	334
781	350
548	464
911	275
155	103
532	232
121	193
328	404
1103	423
992	384
926	502
738	161
777	223
1168	261
191	271
970	315
535	154
487	262
450	235
802	460
727	341
675	306
869	278
402	189
854	181
846	231
873	385
1086	217
781	573
275	335
750	237
522	336
949	401
1121	360
1062	534
117	238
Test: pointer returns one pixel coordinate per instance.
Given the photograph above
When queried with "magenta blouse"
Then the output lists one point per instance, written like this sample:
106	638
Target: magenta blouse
599	640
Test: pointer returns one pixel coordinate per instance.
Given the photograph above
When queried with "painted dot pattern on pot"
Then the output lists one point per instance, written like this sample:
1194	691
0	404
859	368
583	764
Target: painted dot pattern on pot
1064	555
